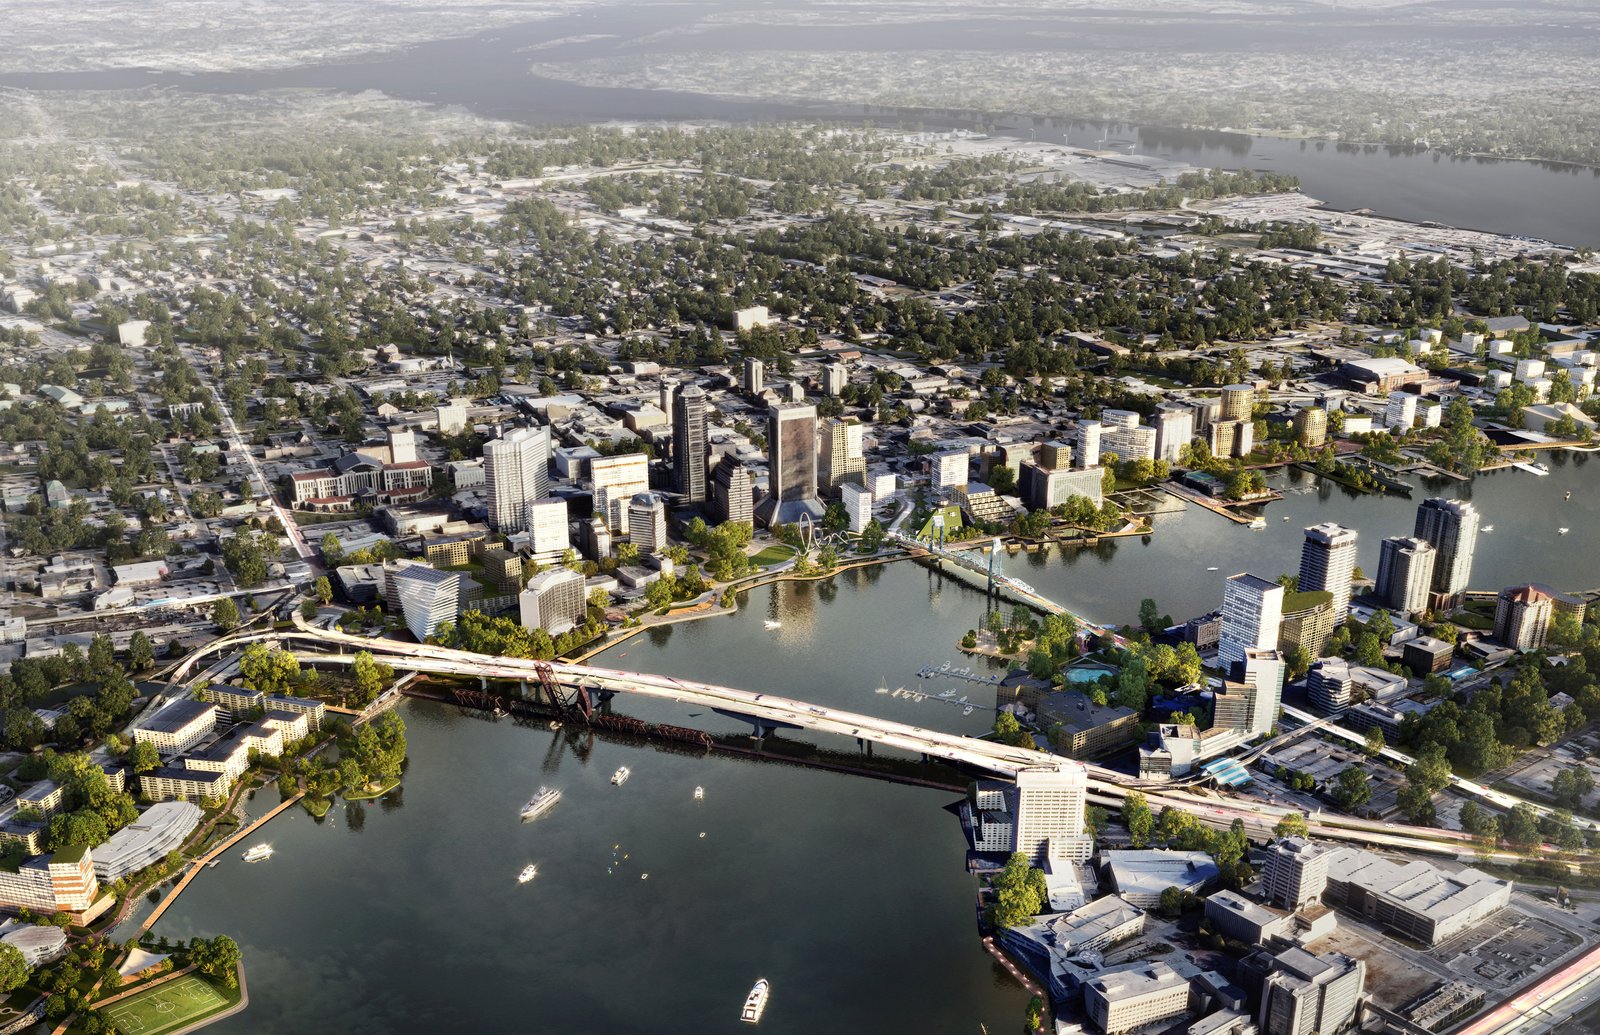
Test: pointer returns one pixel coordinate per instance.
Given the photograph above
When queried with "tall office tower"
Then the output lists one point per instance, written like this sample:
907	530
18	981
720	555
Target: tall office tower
689	444
1264	672
1088	452
1174	430
949	469
428	597
1401	413
1252	610
857	504
616	480
1054	456
668	394
755	375
1050	804
1452	527
791	466
647	523
402	446
840	456
834	377
1327	563
1238	402
1311	426
1522	616
452	417
1405	573
1306	993
732	492
548	534
1295	874
554	601
1232	437
517	467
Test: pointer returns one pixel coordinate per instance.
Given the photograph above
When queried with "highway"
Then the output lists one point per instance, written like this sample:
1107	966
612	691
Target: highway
1547	1004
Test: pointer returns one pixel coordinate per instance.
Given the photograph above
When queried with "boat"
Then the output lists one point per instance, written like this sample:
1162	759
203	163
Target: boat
256	853
948	693
1568	495
755	1002
1487	528
1258	523
1539	469
1212	568
540	803
1285	517
773	624
644	876
620	777
1563	531
699	793
967	710
529	872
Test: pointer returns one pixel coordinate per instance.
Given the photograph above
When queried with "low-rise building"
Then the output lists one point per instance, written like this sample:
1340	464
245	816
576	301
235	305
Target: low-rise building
1141	875
175	783
178	727
1138	995
1413	897
1082	729
1234	916
63	882
40	944
159	830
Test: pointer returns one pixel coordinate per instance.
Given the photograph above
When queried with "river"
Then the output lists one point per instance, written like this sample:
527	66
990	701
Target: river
487	74
847	893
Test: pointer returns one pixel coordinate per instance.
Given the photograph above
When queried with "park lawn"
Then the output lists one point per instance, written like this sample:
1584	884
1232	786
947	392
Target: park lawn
171	1006
772	555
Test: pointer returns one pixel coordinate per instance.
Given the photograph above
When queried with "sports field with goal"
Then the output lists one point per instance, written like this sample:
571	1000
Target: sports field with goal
166	1008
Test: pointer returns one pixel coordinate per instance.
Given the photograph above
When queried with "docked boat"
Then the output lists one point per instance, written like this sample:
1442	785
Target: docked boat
755	1002
257	853
540	803
529	872
699	793
1259	522
620	777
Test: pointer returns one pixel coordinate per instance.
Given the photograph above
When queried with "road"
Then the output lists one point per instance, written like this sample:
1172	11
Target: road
1547	1004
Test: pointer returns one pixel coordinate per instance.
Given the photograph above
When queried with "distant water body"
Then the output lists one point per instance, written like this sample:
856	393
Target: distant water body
486	74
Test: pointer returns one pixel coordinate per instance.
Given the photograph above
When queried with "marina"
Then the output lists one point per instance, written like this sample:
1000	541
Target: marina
945	670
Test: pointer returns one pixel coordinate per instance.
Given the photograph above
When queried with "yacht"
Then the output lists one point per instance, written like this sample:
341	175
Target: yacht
755	1002
1563	531
1259	522
1487	528
529	872
699	793
620	777
258	853
773	624
967	710
540	803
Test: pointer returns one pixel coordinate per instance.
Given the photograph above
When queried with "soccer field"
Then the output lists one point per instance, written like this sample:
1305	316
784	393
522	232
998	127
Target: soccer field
164	1009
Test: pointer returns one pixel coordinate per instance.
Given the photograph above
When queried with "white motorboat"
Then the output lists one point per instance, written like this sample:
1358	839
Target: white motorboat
699	793
1563	531
1487	528
773	624
620	777
755	1003
529	872
540	803
256	853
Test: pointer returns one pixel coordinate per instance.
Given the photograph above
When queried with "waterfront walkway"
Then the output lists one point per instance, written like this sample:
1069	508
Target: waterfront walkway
201	863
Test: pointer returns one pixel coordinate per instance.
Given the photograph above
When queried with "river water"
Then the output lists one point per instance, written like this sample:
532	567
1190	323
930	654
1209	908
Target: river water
487	74
847	893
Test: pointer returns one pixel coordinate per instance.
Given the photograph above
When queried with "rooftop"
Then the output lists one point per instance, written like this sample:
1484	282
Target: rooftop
1416	885
177	715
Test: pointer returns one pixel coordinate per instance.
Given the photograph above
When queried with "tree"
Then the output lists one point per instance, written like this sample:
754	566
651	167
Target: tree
1416	801
1374	742
140	652
143	757
226	614
1017	892
1008	730
217	959
370	676
1571	785
13	968
1292	824
1171	902
1353	789
322	589
1521	827
1138	818
1150	615
268	670
332	552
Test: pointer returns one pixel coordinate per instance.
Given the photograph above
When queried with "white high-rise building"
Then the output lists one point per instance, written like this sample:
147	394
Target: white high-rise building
1050	805
1328	563
1252	611
452	417
1405	573
1452	527
647	523
1295	874
1401	413
402	446
1088	452
857	504
616	481
1264	673
428	597
548	529
553	601
949	468
1174	430
517	467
